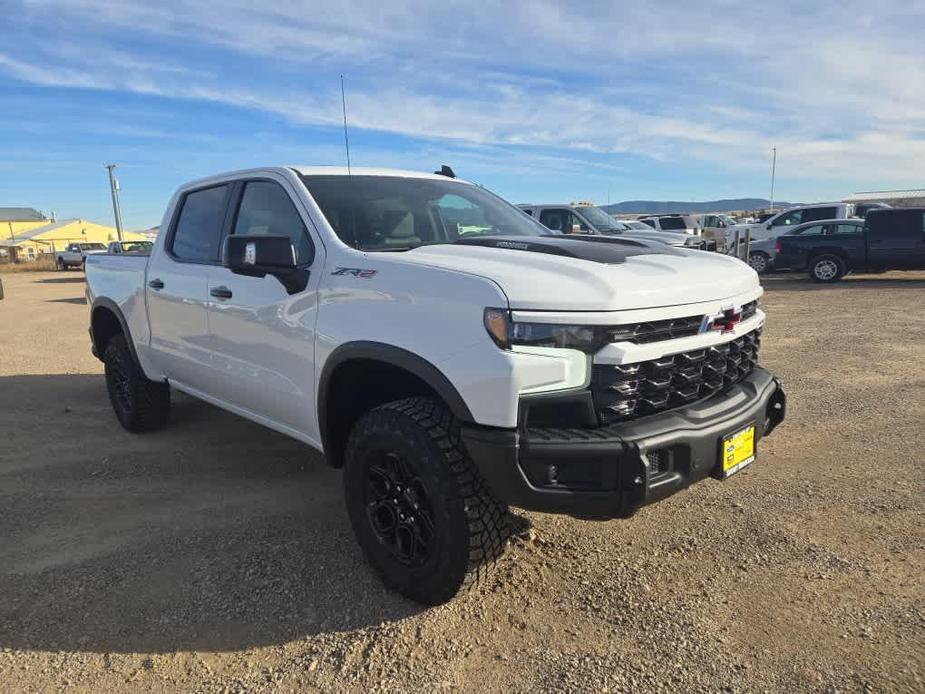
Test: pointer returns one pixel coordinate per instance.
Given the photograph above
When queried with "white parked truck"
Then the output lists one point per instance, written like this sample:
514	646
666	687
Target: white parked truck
444	349
76	253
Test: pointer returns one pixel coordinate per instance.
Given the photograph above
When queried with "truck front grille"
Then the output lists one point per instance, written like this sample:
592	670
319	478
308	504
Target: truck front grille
626	391
670	329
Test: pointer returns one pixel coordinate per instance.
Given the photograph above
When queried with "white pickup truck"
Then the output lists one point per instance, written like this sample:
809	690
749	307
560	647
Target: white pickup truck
451	354
76	253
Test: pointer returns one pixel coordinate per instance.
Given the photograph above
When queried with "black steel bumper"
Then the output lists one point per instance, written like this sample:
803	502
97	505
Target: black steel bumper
611	471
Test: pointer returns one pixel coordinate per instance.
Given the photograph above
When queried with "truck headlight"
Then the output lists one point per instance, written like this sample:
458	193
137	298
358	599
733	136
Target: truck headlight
507	333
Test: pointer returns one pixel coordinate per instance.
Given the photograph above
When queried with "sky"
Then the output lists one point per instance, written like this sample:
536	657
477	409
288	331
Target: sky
540	101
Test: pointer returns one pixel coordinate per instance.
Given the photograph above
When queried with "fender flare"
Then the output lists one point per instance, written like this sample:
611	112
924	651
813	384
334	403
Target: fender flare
107	303
395	356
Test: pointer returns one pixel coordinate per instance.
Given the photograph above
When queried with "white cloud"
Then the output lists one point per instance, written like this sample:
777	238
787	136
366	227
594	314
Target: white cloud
836	86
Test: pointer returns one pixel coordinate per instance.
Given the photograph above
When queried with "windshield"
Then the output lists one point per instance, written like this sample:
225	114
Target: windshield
599	218
92	247
638	225
395	213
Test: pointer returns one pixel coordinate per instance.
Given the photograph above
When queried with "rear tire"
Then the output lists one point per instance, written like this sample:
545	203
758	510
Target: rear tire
826	268
140	404
759	262
421	512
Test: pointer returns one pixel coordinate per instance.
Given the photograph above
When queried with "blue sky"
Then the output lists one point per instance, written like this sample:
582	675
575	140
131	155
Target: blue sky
536	100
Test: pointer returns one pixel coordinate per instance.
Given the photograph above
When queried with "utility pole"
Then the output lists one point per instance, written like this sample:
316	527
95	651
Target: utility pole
114	189
773	172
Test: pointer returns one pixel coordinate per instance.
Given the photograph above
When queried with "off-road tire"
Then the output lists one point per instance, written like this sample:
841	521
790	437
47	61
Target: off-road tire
140	404
826	268
470	527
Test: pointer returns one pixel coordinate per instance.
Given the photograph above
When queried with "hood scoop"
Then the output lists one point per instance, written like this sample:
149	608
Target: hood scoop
597	249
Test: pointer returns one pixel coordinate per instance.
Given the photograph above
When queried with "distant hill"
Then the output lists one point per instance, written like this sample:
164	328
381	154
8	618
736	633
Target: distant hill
676	207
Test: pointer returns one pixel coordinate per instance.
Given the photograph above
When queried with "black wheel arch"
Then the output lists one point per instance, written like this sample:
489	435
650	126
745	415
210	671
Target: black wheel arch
370	356
107	321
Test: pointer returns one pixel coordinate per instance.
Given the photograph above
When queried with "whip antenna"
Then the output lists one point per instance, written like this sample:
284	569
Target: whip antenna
343	102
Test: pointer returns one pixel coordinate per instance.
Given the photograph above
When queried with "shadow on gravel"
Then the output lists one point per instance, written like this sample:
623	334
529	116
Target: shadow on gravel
214	534
75	300
800	283
76	279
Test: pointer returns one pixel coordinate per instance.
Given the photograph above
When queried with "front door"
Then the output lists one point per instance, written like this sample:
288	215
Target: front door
263	339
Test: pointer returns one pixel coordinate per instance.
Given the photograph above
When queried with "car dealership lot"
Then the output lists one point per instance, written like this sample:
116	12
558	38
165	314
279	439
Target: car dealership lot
218	554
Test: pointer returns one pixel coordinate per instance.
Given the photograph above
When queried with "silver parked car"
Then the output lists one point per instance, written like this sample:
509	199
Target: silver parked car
588	219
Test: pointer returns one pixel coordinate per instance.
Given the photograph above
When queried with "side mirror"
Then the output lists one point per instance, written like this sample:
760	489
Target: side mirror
576	229
259	256
768	227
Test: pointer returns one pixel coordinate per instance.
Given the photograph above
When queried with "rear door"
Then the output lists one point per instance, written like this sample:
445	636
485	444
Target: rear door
177	291
263	339
896	239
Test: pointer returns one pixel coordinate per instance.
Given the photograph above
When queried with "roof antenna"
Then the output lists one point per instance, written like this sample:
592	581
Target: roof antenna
353	219
343	102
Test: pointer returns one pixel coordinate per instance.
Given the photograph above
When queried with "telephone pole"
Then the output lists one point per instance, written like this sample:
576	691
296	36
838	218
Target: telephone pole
773	172
114	189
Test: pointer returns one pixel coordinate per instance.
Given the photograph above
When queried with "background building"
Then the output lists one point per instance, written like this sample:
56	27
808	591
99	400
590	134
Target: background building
50	237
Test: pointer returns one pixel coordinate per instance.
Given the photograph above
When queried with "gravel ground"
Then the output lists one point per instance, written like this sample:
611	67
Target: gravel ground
217	556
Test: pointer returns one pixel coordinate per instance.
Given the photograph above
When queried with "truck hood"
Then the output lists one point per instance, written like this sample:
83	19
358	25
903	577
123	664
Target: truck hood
591	273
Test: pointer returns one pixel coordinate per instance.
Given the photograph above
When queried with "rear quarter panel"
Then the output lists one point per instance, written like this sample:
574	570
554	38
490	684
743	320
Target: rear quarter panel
121	280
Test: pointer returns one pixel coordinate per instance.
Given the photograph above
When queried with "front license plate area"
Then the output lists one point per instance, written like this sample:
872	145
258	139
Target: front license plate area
737	451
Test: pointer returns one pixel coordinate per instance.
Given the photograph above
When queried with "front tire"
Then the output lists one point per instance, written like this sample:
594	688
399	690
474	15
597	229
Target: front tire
420	510
826	268
140	404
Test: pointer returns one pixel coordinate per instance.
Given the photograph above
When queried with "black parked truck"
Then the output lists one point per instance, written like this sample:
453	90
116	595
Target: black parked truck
889	239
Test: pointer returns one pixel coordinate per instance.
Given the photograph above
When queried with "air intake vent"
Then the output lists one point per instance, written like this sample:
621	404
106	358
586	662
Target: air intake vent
627	391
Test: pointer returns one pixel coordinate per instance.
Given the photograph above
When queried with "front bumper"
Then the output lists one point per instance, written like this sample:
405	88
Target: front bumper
611	471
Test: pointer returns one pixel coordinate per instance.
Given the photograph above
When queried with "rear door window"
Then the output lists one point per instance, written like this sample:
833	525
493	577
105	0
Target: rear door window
672	224
198	229
811	214
900	228
814	230
847	228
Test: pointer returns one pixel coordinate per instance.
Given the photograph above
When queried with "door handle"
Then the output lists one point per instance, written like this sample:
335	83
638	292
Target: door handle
156	284
220	292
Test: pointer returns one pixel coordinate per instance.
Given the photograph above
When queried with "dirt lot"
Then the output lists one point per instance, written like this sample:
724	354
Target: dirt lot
216	555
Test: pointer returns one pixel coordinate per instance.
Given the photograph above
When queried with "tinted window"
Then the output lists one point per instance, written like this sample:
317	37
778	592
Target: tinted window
199	227
811	214
672	224
791	218
559	219
897	225
529	212
814	230
847	228
396	213
648	222
267	210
